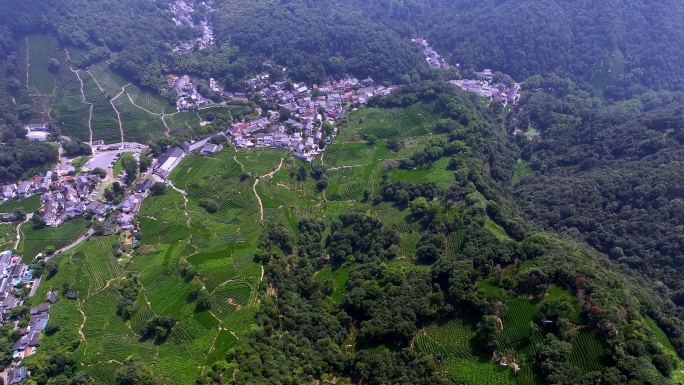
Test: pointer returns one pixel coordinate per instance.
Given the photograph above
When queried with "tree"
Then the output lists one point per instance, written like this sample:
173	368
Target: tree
322	184
145	163
158	188
130	167
203	301
52	267
395	144
134	373
54	64
209	204
76	148
49	249
327	128
25	111
419	206
301	173
158	328
38	221
99	172
317	171
486	332
51	329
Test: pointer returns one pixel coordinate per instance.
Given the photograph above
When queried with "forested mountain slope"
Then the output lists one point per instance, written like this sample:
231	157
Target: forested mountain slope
628	45
611	176
620	47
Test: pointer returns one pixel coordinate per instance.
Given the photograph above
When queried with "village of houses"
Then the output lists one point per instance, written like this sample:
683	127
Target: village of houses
66	194
17	282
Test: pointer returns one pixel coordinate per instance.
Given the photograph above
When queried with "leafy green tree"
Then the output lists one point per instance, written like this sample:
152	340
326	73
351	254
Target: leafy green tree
145	163
134	373
99	172
209	204
322	183
419	206
52	267
158	188
486	332
203	301
130	167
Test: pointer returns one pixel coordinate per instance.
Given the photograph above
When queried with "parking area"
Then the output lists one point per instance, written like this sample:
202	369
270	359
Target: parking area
103	160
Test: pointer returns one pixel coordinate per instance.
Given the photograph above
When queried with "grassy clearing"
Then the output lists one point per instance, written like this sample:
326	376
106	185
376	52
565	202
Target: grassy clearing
182	122
522	169
118	166
148	101
108	80
339	278
35	241
612	66
454	342
660	334
558	293
27	205
260	161
8	235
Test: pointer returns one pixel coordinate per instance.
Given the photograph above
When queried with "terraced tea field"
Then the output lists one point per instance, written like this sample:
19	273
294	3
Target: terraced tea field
199	240
35	241
56	96
416	120
588	354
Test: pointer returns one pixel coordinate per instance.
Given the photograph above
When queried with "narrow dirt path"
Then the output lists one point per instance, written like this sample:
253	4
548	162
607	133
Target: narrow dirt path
213	344
341	167
90	118
16	244
168	130
256	182
28	63
242	166
261	205
270	174
102	362
111	101
166	126
185	204
79	306
118	115
19	232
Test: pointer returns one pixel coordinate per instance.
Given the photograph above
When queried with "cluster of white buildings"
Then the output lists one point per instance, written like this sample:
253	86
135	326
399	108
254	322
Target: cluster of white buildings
434	59
308	108
187	96
182	16
484	85
38	132
16	282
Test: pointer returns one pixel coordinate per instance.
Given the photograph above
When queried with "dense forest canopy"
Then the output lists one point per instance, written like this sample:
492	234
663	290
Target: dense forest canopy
578	189
610	176
620	48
